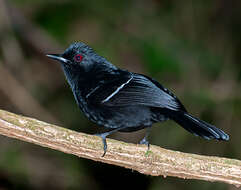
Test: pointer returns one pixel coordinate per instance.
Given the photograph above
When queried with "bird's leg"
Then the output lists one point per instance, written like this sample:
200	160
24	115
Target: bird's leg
145	139
104	135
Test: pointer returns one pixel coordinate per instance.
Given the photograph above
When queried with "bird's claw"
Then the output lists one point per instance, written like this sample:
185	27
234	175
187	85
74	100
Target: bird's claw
105	145
146	142
103	137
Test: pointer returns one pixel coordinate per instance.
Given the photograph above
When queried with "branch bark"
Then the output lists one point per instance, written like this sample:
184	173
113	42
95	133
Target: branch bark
157	161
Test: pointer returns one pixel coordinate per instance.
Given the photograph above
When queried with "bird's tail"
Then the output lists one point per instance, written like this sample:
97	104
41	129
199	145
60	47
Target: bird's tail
197	126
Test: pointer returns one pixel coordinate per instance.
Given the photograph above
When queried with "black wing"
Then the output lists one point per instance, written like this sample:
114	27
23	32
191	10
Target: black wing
134	89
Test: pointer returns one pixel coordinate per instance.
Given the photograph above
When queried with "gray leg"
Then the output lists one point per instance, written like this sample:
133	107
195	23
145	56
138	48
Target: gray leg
104	135
145	139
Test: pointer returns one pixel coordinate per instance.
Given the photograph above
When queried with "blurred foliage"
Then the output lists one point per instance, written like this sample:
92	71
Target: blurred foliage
192	47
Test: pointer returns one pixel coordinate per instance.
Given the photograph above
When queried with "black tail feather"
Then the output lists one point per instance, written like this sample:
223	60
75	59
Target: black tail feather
197	126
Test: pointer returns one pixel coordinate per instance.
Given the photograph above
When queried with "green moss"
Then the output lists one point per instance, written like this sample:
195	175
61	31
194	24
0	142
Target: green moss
148	153
232	162
94	144
12	120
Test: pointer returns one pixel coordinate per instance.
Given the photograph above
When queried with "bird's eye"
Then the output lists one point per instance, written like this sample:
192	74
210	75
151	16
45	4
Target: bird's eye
78	58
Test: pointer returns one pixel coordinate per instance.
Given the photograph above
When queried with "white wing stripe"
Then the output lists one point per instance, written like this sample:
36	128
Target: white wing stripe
91	92
117	90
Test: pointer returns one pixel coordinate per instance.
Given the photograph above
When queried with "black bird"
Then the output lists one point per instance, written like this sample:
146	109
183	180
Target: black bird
124	101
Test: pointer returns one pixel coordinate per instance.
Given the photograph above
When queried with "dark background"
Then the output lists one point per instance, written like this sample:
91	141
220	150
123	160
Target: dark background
191	47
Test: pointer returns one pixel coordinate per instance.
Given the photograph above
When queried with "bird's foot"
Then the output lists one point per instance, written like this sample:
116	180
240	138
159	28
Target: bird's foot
146	142
103	137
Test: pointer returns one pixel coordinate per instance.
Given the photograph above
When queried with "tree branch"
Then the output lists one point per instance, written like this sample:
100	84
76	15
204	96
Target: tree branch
157	161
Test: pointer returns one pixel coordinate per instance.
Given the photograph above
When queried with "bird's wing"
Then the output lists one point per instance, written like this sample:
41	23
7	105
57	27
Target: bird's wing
134	89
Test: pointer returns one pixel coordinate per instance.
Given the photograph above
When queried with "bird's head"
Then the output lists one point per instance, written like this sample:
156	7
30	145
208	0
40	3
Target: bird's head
77	54
80	61
81	57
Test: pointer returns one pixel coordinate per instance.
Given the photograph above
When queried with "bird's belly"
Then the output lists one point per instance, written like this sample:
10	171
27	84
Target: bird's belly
132	117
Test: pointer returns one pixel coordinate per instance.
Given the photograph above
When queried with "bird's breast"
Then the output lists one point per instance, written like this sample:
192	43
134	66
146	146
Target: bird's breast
85	107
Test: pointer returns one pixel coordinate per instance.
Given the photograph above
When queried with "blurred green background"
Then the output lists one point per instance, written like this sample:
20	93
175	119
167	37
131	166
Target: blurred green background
191	47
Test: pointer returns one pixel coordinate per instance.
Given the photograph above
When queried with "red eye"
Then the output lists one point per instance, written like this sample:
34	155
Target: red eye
78	58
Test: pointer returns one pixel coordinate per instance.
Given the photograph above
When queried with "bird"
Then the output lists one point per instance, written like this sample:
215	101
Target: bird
124	101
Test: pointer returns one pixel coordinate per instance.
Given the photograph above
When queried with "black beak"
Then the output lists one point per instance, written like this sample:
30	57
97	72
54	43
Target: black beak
58	57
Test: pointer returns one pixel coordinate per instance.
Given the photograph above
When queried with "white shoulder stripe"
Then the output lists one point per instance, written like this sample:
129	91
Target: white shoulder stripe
117	90
92	91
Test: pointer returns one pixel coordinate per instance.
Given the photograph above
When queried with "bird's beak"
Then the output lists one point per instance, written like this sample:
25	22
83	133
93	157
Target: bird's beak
58	57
